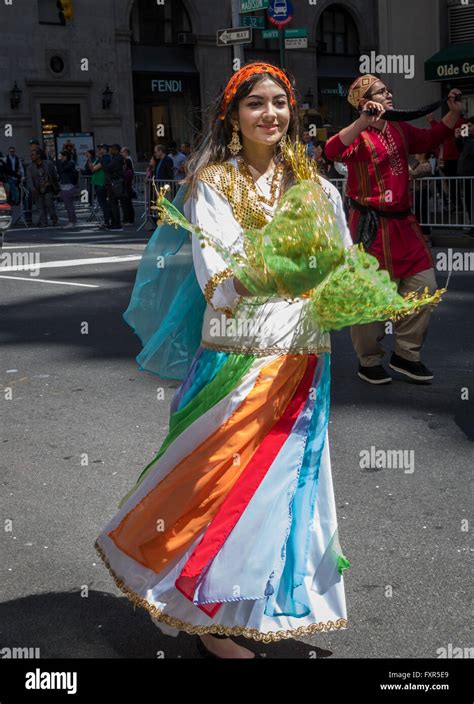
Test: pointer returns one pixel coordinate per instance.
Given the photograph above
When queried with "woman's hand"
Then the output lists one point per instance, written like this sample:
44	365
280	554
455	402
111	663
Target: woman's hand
240	288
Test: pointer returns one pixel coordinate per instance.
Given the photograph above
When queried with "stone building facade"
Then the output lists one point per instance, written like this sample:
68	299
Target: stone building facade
161	63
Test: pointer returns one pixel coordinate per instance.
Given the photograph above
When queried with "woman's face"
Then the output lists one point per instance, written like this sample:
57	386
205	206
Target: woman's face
264	114
317	151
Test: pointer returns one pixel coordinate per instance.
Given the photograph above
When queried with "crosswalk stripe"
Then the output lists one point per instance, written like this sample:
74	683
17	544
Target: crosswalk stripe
71	262
48	281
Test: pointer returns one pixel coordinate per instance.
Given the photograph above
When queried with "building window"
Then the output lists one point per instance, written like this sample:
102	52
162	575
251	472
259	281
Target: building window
337	32
48	12
157	25
461	23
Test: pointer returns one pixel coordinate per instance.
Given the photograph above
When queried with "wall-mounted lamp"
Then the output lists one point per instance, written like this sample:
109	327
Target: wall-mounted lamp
107	98
15	97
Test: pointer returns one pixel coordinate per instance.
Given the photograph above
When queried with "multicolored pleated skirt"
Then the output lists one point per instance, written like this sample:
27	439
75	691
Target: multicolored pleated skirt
232	527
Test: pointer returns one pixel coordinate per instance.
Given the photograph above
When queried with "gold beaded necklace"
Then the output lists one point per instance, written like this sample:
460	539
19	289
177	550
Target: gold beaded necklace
275	182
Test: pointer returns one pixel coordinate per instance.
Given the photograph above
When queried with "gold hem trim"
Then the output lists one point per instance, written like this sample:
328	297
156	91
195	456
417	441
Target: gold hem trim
258	352
214	281
269	637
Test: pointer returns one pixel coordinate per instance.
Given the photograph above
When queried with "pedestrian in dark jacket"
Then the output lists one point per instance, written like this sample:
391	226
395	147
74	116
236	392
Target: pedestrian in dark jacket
129	174
115	185
164	164
42	180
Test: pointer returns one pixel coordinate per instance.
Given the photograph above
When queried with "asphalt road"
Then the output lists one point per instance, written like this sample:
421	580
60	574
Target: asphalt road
68	394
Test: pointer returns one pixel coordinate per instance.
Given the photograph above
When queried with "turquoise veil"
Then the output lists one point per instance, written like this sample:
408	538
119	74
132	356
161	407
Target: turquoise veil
167	306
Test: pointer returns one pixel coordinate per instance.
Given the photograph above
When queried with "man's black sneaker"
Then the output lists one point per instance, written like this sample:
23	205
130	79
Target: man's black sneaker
374	375
413	370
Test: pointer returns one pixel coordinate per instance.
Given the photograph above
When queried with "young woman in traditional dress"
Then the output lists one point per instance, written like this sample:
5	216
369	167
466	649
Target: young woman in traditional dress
231	529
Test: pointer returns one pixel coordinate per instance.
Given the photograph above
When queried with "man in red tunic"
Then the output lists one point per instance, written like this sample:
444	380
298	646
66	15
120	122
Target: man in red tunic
376	153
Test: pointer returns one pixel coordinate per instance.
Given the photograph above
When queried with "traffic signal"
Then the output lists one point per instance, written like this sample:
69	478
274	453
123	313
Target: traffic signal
65	10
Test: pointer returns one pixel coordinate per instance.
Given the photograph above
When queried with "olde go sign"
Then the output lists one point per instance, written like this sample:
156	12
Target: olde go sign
460	70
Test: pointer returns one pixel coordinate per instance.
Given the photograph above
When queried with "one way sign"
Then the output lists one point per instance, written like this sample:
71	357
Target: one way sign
236	35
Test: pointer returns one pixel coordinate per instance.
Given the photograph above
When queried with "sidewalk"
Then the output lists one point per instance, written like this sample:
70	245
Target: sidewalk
454	237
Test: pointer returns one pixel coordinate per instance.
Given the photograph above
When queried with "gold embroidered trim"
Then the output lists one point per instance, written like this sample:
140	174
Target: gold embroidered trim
213	283
269	637
244	201
258	352
229	313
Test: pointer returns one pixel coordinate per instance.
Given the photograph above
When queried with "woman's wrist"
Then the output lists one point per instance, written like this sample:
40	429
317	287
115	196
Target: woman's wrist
240	288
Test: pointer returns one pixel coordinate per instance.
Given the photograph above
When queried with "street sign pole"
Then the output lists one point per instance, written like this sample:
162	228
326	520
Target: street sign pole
281	38
238	48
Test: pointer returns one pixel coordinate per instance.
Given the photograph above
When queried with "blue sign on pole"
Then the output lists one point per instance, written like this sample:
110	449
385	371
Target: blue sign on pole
280	12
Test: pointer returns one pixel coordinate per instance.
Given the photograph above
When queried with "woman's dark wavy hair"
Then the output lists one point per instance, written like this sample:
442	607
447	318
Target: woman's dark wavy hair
213	146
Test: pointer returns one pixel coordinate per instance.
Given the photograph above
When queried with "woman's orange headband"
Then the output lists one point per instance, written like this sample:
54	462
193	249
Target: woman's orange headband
246	72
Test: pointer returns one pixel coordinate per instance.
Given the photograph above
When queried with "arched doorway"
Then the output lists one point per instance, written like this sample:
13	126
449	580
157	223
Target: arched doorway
165	79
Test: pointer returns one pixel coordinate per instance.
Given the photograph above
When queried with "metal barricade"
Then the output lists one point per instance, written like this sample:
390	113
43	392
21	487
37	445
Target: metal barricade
86	198
438	201
150	186
340	184
25	207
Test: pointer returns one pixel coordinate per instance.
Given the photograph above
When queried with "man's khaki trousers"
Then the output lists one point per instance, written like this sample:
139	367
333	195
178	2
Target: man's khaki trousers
410	332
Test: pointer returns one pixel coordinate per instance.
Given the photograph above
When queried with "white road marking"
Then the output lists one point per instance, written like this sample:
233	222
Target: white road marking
71	262
48	281
58	228
72	244
84	237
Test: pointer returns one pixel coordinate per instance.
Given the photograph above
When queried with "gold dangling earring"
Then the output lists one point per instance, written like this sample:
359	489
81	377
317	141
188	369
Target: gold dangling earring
234	145
284	144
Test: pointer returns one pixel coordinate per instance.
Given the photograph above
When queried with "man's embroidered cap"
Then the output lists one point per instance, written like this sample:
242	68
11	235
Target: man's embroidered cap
359	88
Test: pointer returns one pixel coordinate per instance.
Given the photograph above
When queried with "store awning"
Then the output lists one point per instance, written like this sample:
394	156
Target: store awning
453	63
160	59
